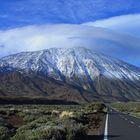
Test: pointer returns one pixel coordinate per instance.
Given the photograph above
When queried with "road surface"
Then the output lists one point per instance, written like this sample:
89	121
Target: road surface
121	126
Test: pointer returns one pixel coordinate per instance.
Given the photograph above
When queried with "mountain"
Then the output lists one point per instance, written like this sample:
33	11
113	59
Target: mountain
72	74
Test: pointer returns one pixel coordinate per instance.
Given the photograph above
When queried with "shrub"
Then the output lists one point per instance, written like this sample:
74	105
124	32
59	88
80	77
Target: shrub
94	107
75	132
48	133
30	118
61	129
4	133
66	114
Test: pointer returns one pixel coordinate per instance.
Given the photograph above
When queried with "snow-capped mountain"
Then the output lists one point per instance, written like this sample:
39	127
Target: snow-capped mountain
70	62
80	67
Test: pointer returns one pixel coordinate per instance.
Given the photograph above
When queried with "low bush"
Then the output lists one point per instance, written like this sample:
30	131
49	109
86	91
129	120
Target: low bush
49	133
4	133
94	107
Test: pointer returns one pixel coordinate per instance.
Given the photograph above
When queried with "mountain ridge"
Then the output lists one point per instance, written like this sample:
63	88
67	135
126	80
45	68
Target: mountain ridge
91	74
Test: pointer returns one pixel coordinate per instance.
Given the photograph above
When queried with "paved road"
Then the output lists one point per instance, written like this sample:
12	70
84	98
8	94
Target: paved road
122	126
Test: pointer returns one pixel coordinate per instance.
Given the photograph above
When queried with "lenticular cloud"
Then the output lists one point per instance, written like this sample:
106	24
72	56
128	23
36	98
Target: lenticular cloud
129	24
32	38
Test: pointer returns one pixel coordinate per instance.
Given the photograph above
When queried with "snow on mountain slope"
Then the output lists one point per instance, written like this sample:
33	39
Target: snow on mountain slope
62	63
77	70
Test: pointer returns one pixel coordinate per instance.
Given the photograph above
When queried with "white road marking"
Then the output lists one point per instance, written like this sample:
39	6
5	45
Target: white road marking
126	119
139	126
131	122
106	128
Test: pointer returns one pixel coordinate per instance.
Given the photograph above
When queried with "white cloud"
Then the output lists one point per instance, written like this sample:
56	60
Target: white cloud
32	38
126	23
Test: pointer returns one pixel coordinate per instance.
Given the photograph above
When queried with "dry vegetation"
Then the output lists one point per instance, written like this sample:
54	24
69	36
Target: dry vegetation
50	122
132	108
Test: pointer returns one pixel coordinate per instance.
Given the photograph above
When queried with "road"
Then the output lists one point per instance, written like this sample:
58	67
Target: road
122	126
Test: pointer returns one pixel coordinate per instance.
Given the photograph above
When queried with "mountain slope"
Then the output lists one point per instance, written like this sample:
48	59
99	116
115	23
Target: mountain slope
17	85
77	69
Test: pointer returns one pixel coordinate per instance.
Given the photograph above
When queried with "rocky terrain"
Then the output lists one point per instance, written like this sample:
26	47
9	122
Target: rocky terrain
72	74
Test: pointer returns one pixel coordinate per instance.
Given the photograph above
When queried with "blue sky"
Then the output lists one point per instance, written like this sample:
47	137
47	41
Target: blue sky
117	15
15	13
